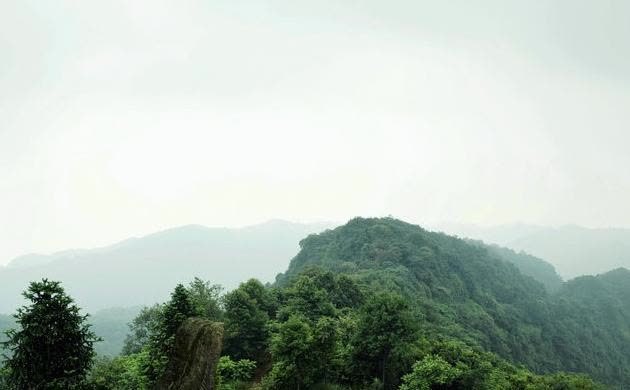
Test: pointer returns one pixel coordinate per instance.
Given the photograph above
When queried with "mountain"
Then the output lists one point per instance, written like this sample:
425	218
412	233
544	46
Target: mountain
111	325
573	250
471	292
529	265
141	271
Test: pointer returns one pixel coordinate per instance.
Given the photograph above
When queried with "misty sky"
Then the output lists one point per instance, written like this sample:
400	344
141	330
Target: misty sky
119	118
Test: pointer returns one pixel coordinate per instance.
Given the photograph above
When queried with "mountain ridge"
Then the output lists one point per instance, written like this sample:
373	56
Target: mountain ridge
143	265
465	291
574	250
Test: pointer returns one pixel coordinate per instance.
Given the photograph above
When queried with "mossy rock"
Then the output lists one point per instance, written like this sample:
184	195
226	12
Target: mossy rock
195	355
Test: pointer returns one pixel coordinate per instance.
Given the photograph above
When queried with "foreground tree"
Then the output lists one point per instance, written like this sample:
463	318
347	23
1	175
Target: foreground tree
141	329
205	298
175	312
53	349
248	310
385	327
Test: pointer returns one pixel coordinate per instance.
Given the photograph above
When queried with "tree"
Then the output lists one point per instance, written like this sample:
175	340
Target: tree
141	329
432	371
247	312
205	298
231	374
385	324
122	372
175	312
53	349
292	350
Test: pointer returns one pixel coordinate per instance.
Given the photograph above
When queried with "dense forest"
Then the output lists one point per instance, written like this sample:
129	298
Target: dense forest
373	304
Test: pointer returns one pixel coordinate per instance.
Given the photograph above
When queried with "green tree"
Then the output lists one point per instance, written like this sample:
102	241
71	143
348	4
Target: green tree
292	350
53	347
231	374
323	349
430	373
175	312
385	325
205	298
248	310
122	372
141	329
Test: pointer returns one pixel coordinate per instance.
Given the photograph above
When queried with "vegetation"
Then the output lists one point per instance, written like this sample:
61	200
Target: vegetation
466	291
529	265
381	304
53	346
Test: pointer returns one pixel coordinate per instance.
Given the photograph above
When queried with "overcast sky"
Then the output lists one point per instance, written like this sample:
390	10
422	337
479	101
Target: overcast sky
119	118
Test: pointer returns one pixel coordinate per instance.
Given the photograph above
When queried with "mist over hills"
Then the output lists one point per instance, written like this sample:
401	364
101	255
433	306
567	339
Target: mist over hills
509	303
113	282
140	271
573	250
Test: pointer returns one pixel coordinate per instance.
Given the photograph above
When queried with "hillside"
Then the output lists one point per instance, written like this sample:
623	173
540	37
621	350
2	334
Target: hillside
573	250
468	291
529	265
135	271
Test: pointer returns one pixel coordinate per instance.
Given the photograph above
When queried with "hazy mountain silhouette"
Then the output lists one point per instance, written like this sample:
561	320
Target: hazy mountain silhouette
573	250
141	271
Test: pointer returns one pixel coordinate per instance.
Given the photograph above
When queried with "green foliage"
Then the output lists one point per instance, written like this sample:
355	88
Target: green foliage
453	365
53	346
6	322
248	310
471	292
205	299
175	312
4	377
316	323
378	304
149	342
529	265
291	347
123	372
230	371
202	296
432	371
141	328
385	326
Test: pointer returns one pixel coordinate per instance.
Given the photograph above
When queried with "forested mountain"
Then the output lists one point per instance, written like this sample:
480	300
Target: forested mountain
573	250
112	326
135	271
529	265
468	291
380	303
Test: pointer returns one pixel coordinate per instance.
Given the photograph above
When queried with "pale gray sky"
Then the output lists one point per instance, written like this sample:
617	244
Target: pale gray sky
119	118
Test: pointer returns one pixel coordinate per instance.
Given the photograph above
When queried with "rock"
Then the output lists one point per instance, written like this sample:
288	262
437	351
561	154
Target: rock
195	355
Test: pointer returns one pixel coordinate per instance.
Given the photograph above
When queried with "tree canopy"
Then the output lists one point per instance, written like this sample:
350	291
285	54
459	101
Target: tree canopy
52	348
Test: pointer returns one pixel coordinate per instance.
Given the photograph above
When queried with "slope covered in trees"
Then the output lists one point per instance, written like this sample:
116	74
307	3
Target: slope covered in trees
573	250
529	265
382	304
469	292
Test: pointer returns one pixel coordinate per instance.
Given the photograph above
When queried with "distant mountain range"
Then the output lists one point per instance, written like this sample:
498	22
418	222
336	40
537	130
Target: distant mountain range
573	250
146	268
142	271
